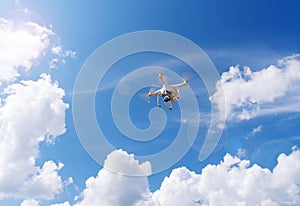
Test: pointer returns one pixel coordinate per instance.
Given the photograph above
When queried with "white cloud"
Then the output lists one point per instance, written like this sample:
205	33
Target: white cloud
53	63
249	94
31	112
45	183
234	182
57	50
121	162
111	188
62	204
180	188
241	153
69	181
20	47
231	182
30	202
61	55
256	130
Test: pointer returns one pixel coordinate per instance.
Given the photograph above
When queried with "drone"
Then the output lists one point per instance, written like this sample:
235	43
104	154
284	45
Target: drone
169	93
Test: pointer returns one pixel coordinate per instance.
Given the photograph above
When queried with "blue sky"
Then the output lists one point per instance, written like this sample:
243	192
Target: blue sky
255	49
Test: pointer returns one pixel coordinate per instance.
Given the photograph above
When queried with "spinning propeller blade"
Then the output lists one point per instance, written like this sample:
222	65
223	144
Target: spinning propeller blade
187	76
145	96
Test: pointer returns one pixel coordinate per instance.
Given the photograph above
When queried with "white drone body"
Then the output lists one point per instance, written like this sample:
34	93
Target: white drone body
169	93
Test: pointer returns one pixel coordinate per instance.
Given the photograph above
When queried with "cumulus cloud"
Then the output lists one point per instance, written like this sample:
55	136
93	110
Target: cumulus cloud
31	112
114	188
180	188
234	182
231	182
251	93
20	47
121	162
30	202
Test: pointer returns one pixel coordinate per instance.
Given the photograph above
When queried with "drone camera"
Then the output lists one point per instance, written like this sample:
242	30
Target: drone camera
167	98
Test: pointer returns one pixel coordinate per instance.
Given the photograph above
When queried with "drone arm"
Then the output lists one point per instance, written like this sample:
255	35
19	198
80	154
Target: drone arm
177	86
157	92
162	79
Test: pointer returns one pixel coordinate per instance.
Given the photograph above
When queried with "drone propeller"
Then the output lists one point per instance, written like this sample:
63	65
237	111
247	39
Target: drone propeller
187	76
146	96
159	70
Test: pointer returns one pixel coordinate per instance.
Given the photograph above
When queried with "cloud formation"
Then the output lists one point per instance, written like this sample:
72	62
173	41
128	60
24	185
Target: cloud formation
30	202
20	47
121	162
234	182
256	130
111	188
251	93
31	112
60	55
231	182
62	204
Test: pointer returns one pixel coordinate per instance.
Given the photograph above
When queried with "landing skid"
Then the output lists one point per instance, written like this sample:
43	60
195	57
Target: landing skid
167	107
170	106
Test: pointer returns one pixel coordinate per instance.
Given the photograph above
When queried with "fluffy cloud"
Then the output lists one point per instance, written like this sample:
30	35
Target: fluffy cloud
114	188
180	188
121	162
234	182
231	182
248	93
62	204
20	47
31	112
30	202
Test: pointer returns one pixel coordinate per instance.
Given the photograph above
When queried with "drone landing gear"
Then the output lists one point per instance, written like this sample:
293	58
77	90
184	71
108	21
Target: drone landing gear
170	106
167	107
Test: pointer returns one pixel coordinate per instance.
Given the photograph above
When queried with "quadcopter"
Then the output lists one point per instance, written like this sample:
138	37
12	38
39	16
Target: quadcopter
169	93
